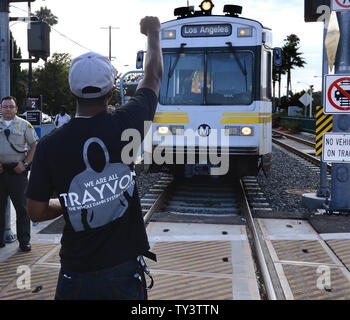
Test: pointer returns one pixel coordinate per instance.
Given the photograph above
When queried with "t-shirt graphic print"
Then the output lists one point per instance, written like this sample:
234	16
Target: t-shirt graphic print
98	198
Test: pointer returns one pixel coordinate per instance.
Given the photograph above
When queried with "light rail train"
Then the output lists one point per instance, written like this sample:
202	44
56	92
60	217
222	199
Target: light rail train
215	96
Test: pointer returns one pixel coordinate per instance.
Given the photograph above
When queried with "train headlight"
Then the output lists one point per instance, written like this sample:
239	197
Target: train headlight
207	7
177	130
163	130
168	34
247	131
244	32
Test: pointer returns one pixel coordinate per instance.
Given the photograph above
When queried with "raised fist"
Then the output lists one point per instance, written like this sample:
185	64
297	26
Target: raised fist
149	24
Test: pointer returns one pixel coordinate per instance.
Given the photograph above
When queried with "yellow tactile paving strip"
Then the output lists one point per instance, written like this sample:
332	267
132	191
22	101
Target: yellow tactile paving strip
301	250
40	276
183	287
309	283
342	249
193	256
8	268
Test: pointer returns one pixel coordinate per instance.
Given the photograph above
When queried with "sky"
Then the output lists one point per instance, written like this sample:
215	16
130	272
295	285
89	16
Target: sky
82	21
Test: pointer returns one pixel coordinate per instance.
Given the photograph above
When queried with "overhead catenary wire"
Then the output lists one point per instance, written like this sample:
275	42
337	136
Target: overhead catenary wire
54	29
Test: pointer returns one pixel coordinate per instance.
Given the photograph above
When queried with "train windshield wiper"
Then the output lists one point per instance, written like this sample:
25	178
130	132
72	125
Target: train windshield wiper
243	69
172	68
181	51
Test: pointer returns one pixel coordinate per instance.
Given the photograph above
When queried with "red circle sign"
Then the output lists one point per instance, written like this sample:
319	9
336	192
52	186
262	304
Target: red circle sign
344	93
342	4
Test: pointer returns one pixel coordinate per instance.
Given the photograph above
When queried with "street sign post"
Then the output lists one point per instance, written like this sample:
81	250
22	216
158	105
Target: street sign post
337	94
305	99
336	148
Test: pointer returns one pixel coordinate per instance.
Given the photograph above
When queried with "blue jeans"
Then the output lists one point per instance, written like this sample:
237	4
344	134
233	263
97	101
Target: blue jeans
116	283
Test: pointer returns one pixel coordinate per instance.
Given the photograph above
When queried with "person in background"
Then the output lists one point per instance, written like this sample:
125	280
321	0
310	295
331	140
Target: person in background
15	160
61	118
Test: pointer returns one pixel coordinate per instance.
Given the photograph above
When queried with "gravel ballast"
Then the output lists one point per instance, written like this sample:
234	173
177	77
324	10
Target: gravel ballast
288	174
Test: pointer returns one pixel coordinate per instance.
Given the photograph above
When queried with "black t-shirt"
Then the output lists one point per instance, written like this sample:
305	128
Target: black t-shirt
82	163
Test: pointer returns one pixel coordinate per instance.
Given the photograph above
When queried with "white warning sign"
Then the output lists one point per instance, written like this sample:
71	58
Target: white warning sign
337	94
341	5
336	148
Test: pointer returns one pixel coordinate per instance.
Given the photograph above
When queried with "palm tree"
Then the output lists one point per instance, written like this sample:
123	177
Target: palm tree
291	57
46	15
276	77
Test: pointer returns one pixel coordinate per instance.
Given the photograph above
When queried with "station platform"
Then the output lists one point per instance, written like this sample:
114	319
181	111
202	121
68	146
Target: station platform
204	262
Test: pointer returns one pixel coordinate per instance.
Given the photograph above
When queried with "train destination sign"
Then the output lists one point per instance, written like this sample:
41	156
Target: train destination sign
336	148
337	94
206	30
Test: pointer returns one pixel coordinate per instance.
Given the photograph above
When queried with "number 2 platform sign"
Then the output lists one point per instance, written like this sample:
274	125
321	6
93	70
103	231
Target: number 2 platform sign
337	91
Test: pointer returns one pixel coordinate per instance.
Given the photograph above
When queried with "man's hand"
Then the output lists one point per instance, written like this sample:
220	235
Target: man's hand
19	169
149	25
1	168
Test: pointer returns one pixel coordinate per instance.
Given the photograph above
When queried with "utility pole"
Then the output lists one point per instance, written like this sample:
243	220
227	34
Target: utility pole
323	191
5	90
340	191
30	67
110	39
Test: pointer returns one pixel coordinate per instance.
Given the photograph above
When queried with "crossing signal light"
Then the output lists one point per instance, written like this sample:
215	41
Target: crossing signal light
207	7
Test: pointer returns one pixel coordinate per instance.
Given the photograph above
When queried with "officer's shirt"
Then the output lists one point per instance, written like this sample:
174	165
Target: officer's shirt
21	134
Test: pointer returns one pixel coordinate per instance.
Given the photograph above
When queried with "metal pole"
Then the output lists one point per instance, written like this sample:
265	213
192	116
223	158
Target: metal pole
30	68
311	101
323	191
110	43
5	89
340	192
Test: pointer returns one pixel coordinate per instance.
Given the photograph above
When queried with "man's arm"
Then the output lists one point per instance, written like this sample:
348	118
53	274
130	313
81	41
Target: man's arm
150	26
42	211
31	151
29	158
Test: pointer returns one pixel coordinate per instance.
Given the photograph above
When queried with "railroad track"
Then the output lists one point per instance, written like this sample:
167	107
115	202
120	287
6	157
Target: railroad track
212	201
298	146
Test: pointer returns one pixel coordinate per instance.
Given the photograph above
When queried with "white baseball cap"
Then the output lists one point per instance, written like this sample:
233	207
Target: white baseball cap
91	70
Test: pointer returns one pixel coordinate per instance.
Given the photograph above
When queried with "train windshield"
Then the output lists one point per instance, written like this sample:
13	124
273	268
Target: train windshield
207	78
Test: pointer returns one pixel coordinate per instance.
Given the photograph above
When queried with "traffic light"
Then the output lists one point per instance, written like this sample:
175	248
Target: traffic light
39	39
277	57
139	60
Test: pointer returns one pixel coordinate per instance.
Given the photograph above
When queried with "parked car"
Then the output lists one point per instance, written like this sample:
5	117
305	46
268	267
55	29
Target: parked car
45	118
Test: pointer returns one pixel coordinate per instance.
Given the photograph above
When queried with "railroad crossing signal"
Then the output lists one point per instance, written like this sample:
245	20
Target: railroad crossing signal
324	124
337	94
340	5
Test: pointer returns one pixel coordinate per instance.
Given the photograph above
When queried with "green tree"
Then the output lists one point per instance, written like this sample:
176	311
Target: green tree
51	81
46	15
276	77
291	57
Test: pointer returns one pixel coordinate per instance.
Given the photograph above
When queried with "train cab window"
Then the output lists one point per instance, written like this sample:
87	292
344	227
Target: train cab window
229	78
183	79
266	75
207	78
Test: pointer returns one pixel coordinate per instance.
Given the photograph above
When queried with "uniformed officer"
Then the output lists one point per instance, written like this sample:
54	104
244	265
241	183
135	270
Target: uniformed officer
15	159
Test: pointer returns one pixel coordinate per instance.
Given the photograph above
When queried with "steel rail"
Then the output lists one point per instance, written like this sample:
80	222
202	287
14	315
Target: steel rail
302	154
300	140
258	248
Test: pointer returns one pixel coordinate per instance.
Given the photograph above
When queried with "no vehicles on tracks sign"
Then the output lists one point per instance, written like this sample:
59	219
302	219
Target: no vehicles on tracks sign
336	148
341	5
337	91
